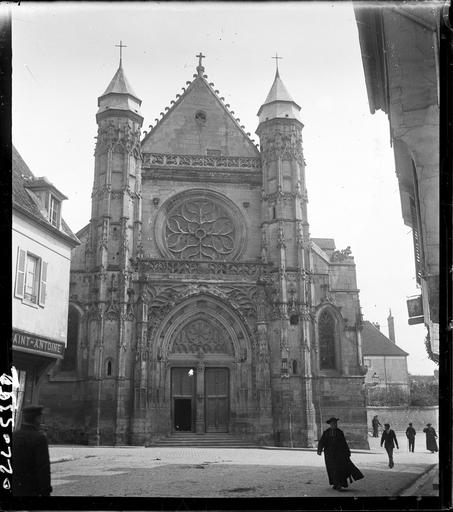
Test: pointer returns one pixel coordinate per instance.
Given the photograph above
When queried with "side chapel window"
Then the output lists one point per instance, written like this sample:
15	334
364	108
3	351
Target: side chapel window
326	331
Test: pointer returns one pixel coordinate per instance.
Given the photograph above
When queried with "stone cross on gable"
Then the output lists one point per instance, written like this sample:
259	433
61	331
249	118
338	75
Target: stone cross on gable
200	67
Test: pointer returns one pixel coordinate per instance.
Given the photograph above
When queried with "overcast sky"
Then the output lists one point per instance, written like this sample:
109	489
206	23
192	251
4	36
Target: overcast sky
64	56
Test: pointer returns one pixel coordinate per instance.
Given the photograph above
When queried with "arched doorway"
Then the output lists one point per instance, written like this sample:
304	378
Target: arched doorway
204	368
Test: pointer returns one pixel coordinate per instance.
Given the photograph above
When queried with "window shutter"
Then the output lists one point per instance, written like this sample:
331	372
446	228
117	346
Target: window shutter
43	285
20	273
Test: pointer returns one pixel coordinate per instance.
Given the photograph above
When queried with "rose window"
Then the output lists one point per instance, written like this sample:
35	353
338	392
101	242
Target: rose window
200	225
200	229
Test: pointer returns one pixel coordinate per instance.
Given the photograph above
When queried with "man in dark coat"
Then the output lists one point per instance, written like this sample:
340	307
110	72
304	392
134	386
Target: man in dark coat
389	441
375	424
431	443
30	456
410	434
337	456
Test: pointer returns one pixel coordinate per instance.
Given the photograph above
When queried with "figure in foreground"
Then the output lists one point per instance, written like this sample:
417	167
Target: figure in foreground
337	456
389	441
30	456
431	443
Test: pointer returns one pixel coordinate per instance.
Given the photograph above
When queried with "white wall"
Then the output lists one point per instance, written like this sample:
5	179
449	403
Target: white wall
51	320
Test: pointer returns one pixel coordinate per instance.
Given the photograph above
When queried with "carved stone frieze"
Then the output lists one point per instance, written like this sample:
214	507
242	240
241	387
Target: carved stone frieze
124	136
159	266
166	160
342	255
284	141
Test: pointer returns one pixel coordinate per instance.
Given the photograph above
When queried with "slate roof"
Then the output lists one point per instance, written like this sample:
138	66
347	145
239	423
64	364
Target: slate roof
25	201
120	85
375	343
325	243
278	91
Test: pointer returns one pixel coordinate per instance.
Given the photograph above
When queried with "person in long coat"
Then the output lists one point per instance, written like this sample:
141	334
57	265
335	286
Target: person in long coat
375	424
30	456
389	441
337	456
431	443
410	434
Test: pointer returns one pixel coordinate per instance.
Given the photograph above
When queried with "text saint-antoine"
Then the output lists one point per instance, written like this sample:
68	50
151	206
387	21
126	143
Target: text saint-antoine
199	301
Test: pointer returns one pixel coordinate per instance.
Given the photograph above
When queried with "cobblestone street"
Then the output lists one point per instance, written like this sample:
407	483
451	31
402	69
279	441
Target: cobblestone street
225	472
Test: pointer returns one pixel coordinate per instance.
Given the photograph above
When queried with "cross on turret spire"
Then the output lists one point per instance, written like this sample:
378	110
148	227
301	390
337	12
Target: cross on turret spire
200	68
276	60
121	46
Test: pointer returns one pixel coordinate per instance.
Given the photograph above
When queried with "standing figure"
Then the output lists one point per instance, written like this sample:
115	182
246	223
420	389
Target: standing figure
30	456
375	424
337	456
431	443
410	434
389	441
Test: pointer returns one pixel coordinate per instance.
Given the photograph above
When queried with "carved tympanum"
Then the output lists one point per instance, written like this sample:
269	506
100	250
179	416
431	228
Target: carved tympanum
199	229
202	336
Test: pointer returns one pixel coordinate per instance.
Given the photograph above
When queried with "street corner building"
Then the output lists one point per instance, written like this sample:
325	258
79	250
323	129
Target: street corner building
41	255
199	303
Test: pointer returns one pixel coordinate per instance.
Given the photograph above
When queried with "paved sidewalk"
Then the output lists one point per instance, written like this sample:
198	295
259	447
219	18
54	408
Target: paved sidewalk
222	472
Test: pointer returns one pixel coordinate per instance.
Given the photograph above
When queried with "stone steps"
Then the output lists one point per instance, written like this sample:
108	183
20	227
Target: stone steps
220	440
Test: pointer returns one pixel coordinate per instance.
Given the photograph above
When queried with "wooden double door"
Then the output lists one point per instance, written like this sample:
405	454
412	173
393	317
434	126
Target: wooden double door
201	400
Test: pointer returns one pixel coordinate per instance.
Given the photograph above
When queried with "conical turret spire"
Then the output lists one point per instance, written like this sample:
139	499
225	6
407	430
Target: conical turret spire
119	94
278	103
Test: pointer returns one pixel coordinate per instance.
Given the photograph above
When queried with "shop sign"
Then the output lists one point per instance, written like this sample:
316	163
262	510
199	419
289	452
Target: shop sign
33	343
415	310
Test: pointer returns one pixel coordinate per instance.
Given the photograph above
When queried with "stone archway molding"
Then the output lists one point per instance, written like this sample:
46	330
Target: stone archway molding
214	310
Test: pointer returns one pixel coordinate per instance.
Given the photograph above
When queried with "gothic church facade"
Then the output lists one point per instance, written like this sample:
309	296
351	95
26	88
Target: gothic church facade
198	300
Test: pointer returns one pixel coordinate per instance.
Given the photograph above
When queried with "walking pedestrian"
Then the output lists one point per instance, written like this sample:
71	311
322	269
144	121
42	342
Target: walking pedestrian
337	456
410	434
431	443
30	456
389	441
375	424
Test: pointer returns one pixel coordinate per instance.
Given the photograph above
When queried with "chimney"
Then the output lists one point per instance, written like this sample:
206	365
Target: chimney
391	325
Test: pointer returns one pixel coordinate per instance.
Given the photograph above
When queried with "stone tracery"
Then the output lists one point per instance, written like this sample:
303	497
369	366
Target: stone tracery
199	229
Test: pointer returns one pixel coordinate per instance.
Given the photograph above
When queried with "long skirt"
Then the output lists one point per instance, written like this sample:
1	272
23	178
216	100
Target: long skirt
431	443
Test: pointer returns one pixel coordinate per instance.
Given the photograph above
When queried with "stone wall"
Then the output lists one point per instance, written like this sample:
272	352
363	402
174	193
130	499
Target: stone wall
399	417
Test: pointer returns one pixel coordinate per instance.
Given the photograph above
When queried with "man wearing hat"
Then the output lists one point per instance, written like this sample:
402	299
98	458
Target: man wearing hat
410	434
431	443
337	456
389	441
30	456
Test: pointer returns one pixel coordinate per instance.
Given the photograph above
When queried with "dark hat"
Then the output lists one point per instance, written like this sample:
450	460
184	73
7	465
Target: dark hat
386	424
410	423
332	419
428	424
32	411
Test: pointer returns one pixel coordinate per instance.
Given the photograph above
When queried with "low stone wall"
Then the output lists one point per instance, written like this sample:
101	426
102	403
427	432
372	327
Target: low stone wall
400	416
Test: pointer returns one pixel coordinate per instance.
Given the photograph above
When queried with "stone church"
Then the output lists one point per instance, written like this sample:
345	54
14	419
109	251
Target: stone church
199	303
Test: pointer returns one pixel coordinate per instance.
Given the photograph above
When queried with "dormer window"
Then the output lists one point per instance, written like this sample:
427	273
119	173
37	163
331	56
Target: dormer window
49	198
54	211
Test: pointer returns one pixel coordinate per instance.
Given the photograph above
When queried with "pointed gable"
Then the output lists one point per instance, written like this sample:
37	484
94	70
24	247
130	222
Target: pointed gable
197	122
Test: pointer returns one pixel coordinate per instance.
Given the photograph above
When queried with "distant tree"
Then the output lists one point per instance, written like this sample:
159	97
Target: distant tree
424	393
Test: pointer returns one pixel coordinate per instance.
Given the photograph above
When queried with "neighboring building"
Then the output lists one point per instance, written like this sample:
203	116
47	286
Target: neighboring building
400	53
41	245
387	377
198	301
